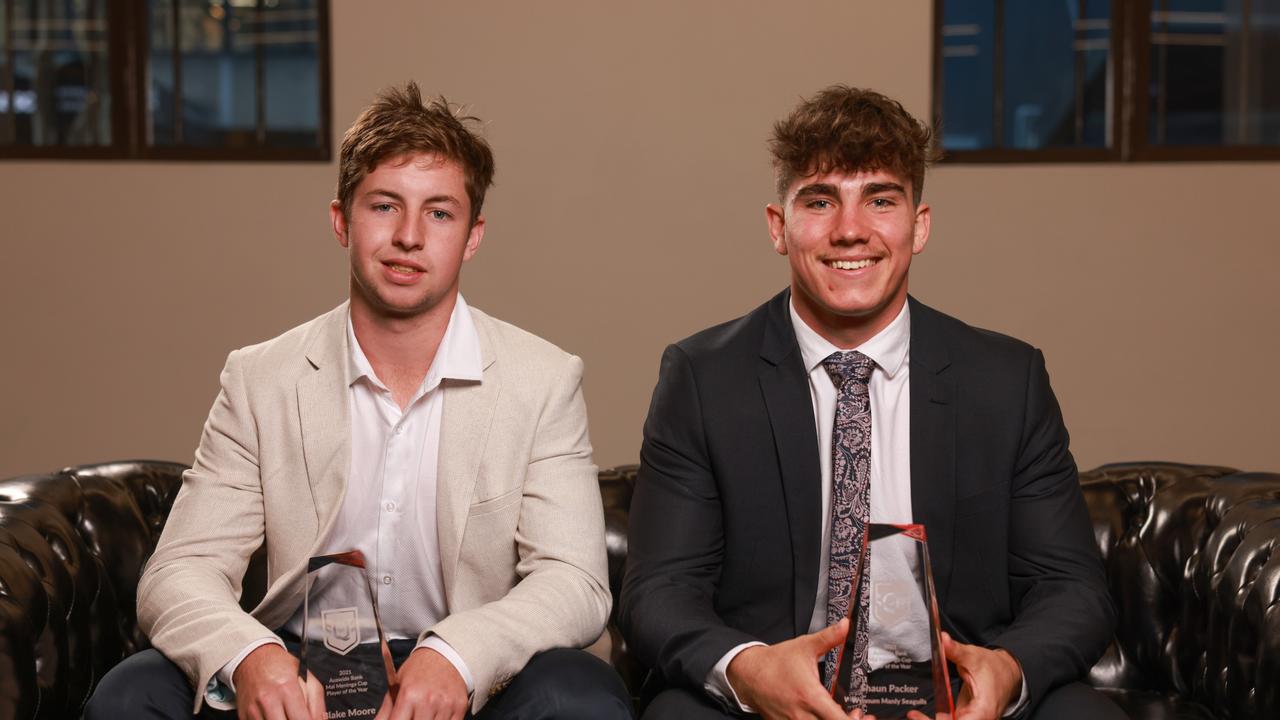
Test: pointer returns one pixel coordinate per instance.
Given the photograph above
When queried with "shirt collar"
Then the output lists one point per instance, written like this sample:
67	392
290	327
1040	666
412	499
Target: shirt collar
888	348
457	358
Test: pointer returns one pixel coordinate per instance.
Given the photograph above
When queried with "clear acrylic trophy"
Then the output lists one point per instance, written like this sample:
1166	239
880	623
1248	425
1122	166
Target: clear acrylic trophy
905	668
344	661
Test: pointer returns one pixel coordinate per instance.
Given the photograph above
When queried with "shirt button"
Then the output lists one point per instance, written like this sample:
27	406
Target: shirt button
391	507
399	428
386	579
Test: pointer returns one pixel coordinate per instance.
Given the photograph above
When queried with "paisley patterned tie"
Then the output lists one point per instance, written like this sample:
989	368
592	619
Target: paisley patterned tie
850	505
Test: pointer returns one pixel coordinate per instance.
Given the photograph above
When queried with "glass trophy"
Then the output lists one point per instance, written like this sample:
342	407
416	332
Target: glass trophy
344	661
905	669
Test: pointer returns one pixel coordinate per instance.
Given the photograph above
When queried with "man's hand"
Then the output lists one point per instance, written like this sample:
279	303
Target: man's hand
781	681
430	689
992	680
268	687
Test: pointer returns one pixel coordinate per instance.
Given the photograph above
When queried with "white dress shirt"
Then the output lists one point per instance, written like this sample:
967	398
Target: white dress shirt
890	395
389	509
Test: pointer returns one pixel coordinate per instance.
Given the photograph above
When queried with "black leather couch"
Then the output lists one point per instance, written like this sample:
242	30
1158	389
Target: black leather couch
1190	553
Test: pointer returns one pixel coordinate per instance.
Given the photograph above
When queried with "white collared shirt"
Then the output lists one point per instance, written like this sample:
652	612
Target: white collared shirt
890	392
389	509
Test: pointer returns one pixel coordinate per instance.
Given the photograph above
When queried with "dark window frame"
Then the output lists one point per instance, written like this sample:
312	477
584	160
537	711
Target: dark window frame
1130	61
127	42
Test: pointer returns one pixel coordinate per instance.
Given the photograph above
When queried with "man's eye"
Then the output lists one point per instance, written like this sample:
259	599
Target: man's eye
882	203
440	215
819	204
382	207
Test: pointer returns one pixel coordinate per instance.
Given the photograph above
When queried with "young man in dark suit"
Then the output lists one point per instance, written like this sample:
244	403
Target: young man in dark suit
773	440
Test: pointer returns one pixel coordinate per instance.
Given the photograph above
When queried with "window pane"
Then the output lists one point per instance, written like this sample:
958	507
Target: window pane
1056	73
968	43
1052	89
1214	72
290	40
59	76
232	53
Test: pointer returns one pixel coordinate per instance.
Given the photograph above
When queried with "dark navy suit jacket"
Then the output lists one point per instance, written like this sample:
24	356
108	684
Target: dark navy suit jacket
725	521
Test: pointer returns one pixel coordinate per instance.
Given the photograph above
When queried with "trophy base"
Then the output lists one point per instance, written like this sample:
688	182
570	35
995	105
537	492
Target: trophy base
892	692
354	684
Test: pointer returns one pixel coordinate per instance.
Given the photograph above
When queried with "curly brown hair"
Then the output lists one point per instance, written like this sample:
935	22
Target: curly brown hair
399	122
850	129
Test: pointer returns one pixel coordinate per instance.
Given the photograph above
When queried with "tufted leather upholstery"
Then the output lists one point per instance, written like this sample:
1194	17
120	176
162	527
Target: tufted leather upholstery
1191	556
1193	560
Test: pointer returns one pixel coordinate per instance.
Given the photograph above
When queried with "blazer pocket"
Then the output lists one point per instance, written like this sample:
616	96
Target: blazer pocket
494	504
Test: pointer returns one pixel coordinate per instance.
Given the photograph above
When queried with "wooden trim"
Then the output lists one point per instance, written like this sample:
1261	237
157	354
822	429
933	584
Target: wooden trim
325	127
10	126
164	154
1022	156
1207	153
259	77
997	72
938	79
175	39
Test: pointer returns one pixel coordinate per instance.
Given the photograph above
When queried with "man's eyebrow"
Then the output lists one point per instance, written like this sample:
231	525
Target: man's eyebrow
817	189
877	188
434	199
384	193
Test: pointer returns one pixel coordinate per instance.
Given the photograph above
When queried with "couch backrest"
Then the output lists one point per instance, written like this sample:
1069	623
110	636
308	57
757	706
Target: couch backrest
72	545
1190	551
1191	558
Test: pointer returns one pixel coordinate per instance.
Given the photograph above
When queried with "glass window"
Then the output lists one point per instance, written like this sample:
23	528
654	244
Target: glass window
1211	61
56	88
1023	80
214	79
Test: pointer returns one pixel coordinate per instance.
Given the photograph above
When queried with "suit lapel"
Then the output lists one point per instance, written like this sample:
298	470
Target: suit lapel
325	418
465	420
784	384
933	440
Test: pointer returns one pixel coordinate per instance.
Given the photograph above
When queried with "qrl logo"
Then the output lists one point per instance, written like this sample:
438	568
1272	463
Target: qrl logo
891	601
341	629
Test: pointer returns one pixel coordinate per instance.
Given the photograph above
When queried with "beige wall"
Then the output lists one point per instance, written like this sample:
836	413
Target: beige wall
632	176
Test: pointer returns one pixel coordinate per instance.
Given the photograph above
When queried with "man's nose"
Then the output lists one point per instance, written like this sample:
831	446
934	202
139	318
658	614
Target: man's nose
408	235
851	225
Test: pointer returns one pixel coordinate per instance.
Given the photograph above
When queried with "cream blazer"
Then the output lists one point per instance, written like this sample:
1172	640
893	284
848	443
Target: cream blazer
521	528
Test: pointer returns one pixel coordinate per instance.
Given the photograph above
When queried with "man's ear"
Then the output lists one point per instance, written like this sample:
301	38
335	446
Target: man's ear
921	232
339	220
474	236
777	220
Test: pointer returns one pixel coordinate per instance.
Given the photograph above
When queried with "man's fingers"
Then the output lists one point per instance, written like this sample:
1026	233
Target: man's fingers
958	652
295	703
313	697
830	636
829	709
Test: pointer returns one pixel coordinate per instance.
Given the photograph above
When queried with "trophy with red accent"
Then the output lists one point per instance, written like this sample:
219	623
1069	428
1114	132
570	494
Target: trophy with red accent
898	665
344	660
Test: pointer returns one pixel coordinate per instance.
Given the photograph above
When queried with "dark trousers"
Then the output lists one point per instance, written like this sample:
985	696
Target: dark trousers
1069	702
561	683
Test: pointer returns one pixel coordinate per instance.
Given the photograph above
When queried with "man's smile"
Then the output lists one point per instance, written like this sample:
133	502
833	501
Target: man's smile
851	264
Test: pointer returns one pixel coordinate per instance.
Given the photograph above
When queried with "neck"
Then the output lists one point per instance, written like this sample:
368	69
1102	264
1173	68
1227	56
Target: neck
400	348
845	331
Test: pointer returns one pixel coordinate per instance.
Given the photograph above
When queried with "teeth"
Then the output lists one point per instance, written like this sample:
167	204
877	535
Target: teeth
851	265
401	268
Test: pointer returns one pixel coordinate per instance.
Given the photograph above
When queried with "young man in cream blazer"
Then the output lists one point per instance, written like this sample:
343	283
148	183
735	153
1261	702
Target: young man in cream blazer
449	447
